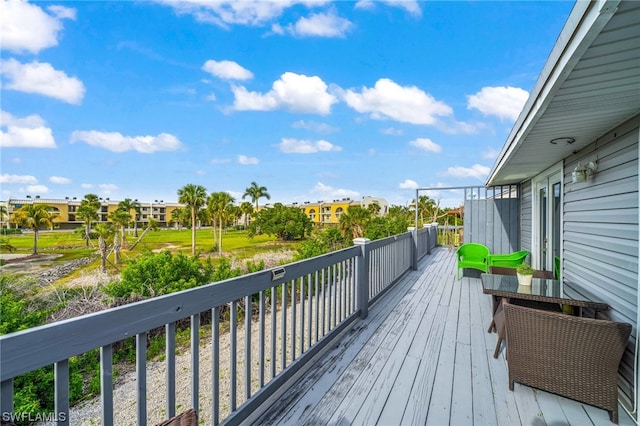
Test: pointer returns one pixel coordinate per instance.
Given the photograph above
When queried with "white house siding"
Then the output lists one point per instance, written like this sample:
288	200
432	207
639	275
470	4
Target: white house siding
526	211
600	252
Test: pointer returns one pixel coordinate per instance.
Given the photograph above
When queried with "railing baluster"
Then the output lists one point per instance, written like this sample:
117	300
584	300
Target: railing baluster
61	393
195	362
330	270
310	316
283	331
324	301
339	293
316	285
106	384
170	362
294	302
262	338
274	319
233	339
141	378
6	396
302	314
215	365
247	349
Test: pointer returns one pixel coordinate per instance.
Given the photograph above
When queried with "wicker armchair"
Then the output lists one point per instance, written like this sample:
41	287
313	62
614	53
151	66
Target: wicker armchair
188	418
570	356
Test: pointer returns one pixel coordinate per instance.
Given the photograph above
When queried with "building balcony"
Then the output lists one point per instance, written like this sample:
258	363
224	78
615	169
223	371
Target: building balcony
379	333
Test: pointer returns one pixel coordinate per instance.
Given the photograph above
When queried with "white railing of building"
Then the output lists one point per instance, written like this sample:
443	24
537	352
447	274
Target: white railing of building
298	309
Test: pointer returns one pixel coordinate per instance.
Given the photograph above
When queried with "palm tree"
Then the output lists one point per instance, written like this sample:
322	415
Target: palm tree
194	197
246	208
217	206
354	221
105	232
256	192
181	216
121	219
127	205
34	216
3	213
88	213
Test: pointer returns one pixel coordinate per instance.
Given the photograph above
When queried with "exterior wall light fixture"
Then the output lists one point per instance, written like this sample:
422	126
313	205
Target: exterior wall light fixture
583	173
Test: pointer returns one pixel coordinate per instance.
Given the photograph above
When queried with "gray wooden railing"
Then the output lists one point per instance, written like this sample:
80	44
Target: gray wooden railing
290	314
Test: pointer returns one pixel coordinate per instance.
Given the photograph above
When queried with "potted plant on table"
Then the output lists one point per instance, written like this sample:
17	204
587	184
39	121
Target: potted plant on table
525	273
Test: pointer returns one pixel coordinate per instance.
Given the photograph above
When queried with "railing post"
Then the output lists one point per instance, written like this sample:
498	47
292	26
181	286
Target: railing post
433	237
414	247
362	277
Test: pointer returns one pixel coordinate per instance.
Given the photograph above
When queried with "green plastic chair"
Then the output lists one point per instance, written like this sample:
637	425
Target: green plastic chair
474	256
556	267
510	260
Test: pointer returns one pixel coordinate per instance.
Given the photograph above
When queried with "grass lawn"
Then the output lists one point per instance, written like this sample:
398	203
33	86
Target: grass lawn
71	245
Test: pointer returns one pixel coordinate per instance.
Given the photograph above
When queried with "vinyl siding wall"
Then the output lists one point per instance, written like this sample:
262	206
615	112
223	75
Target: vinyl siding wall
526	211
600	230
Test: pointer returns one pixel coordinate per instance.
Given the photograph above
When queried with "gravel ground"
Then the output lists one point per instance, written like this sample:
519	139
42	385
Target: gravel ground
124	394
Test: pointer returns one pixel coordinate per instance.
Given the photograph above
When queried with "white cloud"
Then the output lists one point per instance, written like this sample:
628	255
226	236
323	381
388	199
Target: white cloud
408	184
475	171
223	13
426	144
116	142
392	131
303	146
246	161
37	189
502	102
388	99
410	6
86	185
59	180
327	25
227	70
41	78
25	27
27	132
314	126
490	154
294	92
108	188
330	192
23	179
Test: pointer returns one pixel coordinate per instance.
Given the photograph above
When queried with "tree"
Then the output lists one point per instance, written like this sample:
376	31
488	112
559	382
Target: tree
354	221
121	219
3	214
88	213
128	205
256	192
218	204
180	216
287	223
247	209
105	233
152	225
194	197
34	216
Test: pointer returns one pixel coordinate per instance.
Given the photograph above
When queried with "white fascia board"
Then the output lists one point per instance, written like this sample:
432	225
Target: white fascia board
586	21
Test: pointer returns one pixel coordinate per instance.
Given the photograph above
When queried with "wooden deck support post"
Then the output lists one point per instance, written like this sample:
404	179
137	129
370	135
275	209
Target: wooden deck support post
362	277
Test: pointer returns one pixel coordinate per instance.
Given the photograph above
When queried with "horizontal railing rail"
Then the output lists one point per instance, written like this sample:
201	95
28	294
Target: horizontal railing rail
278	319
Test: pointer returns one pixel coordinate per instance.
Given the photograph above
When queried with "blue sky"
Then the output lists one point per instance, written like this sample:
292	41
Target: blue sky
314	100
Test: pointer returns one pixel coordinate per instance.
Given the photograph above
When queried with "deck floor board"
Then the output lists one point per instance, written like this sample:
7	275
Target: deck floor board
423	356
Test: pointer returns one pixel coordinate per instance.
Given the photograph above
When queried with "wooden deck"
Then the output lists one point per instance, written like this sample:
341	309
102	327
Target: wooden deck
423	356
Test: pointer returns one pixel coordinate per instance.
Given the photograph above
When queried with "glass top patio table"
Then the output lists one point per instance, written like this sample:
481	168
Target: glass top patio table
541	290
